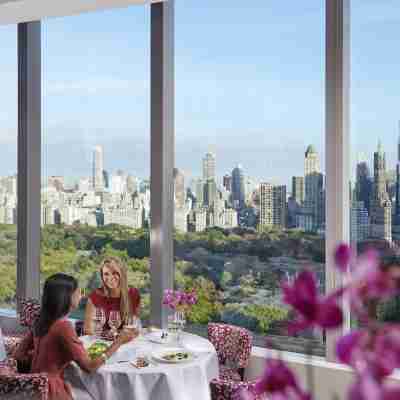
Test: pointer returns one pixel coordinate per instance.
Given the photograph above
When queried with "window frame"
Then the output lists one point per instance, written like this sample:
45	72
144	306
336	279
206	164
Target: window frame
337	73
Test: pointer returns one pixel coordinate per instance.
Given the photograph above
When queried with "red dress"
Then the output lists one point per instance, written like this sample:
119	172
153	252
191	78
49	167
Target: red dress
52	353
108	304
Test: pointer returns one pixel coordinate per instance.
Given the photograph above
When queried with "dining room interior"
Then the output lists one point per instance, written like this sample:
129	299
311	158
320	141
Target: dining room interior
216	187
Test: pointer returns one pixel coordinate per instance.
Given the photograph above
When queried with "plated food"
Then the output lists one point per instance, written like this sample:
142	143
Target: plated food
97	349
174	356
141	362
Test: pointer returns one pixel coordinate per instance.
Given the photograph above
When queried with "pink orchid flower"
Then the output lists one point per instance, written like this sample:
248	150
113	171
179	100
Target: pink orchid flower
312	308
277	383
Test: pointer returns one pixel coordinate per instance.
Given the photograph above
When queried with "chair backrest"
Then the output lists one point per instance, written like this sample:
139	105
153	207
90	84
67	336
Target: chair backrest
29	312
23	386
232	343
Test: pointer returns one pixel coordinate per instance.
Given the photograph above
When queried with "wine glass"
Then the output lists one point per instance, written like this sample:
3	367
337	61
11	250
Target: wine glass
133	322
180	321
99	320
114	321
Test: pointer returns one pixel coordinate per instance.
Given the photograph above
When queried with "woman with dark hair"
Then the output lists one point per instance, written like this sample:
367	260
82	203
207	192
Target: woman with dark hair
114	295
53	344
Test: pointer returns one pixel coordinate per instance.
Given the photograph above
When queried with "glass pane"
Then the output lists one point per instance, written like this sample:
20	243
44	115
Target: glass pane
96	147
249	177
375	134
8	165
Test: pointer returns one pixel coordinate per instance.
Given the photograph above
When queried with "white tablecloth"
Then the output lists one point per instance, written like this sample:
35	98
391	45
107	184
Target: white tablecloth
159	381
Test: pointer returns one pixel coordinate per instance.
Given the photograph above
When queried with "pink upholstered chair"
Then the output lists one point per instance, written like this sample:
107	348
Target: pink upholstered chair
30	310
233	345
15	386
232	390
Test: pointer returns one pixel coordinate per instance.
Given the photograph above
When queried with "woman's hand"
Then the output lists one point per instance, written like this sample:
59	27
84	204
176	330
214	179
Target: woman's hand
126	336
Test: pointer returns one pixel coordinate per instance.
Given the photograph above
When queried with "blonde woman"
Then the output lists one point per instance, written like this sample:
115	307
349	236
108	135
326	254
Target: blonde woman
114	295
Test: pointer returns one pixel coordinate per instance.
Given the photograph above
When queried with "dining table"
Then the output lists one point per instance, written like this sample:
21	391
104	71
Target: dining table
120	378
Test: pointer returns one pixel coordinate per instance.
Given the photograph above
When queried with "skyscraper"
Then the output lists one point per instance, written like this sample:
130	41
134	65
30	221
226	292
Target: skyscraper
210	193
381	208
313	182
57	182
238	187
380	192
179	185
272	205
298	189
227	182
98	180
209	166
397	210
364	184
199	191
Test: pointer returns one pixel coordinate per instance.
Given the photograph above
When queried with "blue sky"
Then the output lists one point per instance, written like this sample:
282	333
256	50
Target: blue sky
249	85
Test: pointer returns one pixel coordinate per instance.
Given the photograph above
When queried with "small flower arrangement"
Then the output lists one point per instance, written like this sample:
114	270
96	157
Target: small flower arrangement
372	351
178	300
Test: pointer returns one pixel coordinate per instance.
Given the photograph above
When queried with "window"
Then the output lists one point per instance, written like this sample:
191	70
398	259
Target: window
8	165
249	177
375	134
96	146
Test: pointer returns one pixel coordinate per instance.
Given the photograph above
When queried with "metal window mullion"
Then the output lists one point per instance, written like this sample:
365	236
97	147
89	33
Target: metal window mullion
162	156
29	155
337	92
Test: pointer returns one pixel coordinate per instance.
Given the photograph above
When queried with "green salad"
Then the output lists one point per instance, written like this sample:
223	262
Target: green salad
96	349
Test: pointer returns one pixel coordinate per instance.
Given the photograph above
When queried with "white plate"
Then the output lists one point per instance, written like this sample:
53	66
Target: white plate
155	337
160	355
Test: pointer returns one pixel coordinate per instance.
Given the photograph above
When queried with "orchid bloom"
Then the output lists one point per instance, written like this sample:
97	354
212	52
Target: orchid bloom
366	280
178	299
277	383
312	308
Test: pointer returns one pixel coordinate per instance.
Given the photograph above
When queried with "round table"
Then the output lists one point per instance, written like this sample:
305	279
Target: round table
119	380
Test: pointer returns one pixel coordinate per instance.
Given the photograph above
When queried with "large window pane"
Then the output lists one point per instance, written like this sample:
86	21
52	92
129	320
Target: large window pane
8	165
375	133
249	177
96	145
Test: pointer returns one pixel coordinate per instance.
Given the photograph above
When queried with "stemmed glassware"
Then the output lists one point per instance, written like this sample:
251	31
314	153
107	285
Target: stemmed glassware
180	320
133	322
114	321
176	324
99	320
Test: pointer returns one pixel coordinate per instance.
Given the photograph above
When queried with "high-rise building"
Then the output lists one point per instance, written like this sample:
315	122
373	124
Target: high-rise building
272	205
98	179
106	179
199	191
313	183
381	207
298	189
179	186
363	189
227	182
210	192
380	173
56	182
131	184
117	184
397	209
359	222
238	187
209	166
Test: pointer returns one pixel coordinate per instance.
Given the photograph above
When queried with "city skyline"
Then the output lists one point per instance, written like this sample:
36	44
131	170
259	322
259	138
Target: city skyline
262	120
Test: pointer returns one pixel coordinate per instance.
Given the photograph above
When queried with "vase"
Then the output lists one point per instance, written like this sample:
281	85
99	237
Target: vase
180	322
